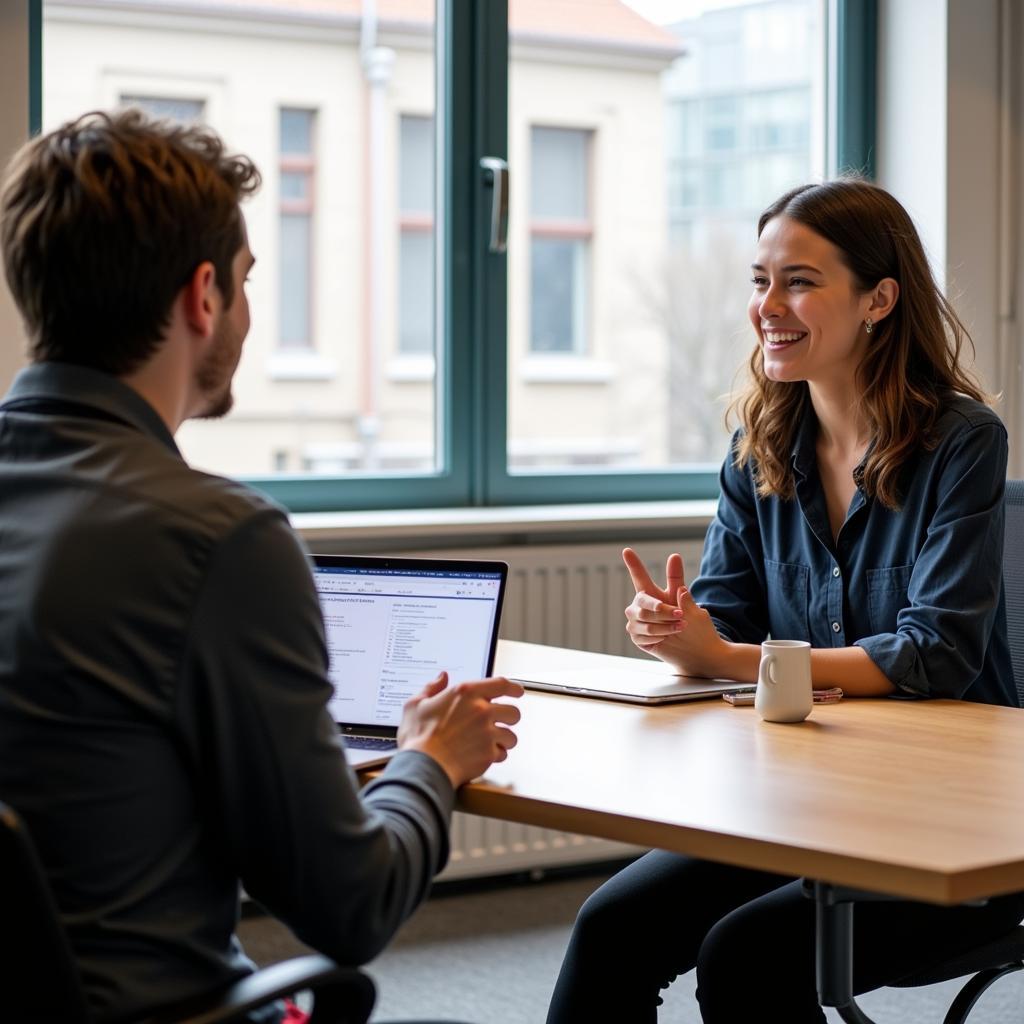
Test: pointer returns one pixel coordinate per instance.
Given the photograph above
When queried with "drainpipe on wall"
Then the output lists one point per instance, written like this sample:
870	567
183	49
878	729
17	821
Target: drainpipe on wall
378	64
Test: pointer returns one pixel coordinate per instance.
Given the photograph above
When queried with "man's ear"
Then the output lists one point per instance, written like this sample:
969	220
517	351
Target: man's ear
201	300
883	298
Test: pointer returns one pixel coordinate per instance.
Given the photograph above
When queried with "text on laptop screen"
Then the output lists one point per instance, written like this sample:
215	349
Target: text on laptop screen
390	631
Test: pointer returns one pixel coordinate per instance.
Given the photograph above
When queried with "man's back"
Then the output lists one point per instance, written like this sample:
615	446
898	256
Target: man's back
162	693
107	540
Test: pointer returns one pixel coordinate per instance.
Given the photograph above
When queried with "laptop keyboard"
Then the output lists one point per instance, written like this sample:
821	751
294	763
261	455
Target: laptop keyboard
370	742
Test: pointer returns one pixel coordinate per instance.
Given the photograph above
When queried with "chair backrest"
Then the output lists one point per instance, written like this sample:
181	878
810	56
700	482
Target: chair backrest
38	977
1013	578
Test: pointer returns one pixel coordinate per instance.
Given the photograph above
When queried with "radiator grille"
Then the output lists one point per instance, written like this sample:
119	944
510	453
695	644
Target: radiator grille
566	596
575	596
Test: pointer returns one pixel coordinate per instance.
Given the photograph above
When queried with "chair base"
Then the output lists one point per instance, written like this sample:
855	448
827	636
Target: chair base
972	991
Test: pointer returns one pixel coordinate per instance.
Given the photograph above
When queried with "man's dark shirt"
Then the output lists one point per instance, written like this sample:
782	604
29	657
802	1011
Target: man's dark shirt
163	723
920	589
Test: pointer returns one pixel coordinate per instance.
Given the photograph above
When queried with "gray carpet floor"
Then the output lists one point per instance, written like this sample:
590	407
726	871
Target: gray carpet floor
491	957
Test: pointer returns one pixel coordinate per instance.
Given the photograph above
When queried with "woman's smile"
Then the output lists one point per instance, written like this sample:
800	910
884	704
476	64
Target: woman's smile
777	339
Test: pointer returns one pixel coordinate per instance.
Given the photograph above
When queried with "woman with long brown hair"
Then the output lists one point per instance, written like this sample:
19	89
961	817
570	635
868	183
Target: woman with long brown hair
860	510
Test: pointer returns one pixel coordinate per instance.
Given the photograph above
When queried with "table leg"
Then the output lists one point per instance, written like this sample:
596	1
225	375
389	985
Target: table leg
833	952
833	949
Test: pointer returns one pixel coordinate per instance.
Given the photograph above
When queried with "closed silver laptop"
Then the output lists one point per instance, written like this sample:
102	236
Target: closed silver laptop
642	685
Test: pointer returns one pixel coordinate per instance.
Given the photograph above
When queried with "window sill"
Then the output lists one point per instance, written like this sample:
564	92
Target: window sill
423	529
552	452
539	369
301	364
410	369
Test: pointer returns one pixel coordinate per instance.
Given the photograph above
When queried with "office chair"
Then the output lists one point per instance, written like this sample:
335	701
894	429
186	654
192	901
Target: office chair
1005	955
39	982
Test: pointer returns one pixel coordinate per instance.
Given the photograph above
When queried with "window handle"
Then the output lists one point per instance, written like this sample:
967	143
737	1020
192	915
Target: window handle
496	177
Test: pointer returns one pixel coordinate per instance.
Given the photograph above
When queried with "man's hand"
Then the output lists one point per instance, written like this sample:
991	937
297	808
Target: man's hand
462	728
669	624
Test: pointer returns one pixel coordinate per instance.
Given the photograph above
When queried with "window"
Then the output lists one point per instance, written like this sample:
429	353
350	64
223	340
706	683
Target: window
721	131
316	393
416	239
779	120
389	345
295	240
560	239
750	123
164	106
627	310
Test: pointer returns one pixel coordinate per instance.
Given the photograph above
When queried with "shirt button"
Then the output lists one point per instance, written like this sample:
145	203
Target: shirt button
835	570
836	627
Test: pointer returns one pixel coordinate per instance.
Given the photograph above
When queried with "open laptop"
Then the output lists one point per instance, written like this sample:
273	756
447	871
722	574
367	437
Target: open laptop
392	625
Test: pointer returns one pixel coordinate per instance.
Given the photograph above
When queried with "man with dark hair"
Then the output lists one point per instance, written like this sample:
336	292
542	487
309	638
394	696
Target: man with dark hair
163	669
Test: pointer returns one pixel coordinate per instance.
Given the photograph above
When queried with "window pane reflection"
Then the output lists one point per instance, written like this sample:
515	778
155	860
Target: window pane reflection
650	154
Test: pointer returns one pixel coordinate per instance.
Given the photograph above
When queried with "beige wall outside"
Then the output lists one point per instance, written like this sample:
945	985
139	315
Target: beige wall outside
13	133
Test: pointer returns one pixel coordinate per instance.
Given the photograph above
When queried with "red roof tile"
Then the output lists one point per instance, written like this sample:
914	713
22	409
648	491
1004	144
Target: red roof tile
600	21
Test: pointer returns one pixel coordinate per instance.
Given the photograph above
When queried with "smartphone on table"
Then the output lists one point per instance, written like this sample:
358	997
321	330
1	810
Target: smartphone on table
744	698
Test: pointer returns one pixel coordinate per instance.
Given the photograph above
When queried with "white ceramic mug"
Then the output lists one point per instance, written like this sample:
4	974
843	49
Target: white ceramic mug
784	692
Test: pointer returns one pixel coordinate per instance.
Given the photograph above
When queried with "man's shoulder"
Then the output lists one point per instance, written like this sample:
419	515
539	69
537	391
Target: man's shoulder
166	485
221	502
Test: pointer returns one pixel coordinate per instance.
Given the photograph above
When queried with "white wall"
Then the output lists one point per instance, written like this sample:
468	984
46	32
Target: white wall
13	132
911	155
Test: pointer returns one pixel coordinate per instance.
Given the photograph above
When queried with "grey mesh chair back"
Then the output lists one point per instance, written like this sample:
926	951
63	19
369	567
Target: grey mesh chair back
1013	578
1004	955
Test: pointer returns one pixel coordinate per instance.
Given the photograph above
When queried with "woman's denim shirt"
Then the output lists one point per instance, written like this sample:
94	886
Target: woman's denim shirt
920	589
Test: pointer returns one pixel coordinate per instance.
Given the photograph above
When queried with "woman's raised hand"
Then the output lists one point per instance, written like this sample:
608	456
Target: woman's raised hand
654	613
669	624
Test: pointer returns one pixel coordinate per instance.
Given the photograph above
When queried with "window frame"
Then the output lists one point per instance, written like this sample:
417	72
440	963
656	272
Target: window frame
471	119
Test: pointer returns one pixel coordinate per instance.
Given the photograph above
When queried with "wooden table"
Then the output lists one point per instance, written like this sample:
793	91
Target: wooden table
916	799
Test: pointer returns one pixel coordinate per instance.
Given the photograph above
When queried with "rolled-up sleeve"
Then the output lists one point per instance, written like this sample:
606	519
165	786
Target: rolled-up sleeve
284	810
941	637
731	585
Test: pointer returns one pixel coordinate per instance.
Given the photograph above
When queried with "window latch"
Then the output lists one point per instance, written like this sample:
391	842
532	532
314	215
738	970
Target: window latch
496	177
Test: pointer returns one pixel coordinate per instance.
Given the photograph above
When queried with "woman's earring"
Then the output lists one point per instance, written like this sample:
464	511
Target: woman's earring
869	325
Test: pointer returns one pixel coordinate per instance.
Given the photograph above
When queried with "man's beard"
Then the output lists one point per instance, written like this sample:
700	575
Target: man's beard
213	376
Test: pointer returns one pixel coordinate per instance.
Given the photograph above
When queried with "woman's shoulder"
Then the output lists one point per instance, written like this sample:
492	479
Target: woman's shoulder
962	413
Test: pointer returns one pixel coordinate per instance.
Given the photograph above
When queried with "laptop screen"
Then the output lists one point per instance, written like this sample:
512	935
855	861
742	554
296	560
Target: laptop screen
393	624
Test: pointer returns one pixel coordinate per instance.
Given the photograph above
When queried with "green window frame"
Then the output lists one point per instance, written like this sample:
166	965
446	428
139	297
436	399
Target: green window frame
471	427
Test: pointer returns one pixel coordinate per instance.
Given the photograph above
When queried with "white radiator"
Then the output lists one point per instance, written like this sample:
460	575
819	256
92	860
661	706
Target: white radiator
566	595
575	596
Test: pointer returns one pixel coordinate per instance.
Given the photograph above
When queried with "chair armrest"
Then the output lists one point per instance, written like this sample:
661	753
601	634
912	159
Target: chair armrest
343	995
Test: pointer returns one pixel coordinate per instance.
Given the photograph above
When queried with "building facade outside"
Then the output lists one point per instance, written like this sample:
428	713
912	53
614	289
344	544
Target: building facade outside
745	121
338	369
639	159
